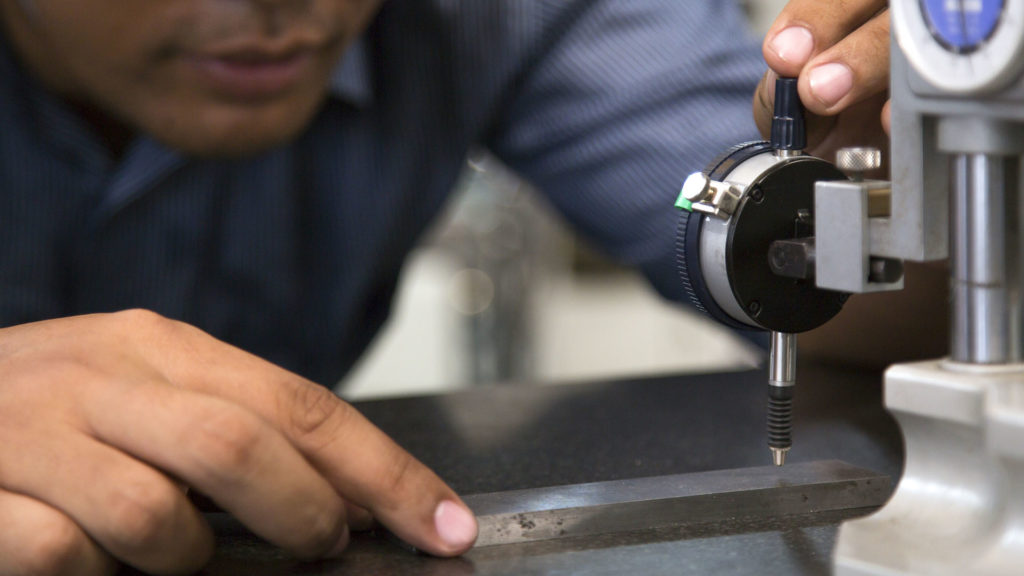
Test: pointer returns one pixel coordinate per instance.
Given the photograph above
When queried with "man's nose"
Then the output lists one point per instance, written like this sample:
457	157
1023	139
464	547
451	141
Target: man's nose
278	14
283	4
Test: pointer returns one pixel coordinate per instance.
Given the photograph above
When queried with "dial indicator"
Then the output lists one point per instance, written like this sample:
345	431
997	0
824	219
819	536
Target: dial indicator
962	26
962	46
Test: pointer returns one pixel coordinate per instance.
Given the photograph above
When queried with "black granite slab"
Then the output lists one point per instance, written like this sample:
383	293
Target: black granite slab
512	437
505	438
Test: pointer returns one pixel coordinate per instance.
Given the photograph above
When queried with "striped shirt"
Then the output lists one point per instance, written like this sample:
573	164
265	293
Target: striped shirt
294	254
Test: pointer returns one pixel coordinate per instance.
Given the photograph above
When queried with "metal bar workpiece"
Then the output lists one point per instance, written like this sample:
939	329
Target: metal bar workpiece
682	499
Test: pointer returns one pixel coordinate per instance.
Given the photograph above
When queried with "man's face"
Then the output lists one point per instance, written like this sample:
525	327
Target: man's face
209	77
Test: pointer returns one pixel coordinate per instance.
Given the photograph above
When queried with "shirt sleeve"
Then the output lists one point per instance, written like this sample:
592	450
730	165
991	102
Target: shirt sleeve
624	100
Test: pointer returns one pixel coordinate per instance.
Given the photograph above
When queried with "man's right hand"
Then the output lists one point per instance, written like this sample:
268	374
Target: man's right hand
839	50
106	419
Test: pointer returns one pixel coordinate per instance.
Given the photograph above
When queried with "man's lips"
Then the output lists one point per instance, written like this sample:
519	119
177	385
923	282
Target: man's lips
251	73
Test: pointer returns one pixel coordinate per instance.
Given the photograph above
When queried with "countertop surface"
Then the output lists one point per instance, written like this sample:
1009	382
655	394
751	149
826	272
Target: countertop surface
514	437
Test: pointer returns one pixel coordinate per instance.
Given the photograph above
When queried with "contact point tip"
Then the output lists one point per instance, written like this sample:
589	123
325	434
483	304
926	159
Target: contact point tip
778	455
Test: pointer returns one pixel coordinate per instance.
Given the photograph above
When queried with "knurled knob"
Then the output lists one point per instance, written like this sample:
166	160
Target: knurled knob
858	160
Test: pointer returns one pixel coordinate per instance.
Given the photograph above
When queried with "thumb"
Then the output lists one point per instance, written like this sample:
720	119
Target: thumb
818	127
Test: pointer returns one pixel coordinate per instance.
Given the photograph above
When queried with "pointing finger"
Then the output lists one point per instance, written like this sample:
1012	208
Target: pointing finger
358	460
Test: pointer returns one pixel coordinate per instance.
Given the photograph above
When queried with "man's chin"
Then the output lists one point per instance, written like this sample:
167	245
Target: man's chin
241	146
232	131
231	143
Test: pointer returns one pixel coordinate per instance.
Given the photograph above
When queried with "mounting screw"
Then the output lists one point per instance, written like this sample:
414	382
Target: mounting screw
697	187
884	270
702	194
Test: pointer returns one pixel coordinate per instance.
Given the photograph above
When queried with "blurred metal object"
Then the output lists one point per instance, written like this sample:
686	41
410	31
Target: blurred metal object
678	500
498	239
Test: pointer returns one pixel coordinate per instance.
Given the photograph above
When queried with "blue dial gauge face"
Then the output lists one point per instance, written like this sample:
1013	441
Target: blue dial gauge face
962	26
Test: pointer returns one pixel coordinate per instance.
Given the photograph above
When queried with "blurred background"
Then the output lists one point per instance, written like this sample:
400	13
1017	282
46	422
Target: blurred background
500	292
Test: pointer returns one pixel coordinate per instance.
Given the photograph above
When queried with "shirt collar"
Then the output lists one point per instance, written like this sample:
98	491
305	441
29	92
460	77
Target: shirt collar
352	80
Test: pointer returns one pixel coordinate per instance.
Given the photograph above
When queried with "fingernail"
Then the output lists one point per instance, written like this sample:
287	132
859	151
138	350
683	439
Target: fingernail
341	545
455	525
830	82
793	44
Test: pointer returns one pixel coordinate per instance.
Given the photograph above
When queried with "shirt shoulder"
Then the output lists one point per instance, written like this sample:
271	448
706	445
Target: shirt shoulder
464	55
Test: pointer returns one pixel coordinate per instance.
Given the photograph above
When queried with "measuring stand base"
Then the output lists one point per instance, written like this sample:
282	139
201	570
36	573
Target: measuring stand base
959	507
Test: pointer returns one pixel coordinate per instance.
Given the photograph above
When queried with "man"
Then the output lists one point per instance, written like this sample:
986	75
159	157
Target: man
259	169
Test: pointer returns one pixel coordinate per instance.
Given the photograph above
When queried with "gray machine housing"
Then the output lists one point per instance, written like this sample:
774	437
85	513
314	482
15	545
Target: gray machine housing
956	173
